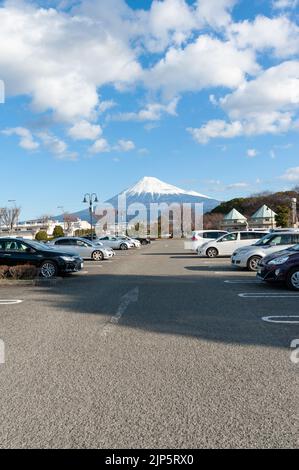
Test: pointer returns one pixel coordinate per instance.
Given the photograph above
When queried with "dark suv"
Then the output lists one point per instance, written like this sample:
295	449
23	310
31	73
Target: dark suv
282	266
15	251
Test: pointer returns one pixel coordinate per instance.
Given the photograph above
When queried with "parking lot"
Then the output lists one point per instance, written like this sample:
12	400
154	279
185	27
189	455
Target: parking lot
153	348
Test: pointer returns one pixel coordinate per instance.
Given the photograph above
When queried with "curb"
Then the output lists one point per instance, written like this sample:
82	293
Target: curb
29	282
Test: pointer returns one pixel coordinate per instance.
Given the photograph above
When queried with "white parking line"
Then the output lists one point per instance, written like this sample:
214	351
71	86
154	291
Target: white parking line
10	302
271	319
270	295
245	281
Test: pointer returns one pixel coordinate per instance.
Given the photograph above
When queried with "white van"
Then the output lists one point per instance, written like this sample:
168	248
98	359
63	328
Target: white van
227	244
199	237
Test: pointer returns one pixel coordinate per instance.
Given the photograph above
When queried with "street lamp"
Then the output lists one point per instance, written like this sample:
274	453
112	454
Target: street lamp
90	199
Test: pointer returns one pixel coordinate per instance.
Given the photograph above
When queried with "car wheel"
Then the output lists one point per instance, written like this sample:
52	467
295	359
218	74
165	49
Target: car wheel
48	270
212	252
97	256
253	262
123	246
293	279
144	242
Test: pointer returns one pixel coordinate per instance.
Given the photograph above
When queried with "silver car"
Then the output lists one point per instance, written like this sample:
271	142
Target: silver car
83	248
115	243
250	256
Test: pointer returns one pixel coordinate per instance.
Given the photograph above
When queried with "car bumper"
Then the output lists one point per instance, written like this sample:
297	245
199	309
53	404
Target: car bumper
238	261
271	273
109	254
72	267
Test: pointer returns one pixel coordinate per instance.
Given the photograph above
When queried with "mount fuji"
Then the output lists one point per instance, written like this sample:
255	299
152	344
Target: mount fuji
152	190
149	190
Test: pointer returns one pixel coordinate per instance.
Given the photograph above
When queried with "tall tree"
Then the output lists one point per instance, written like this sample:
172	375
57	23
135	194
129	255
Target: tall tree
282	217
9	217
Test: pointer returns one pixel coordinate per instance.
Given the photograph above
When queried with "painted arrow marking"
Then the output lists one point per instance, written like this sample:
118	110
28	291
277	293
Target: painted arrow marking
10	302
273	319
126	300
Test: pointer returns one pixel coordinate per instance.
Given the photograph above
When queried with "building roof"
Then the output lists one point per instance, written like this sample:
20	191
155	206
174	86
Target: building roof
264	212
234	215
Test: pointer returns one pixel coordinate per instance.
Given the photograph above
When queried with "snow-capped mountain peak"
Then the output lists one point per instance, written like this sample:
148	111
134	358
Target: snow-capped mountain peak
152	185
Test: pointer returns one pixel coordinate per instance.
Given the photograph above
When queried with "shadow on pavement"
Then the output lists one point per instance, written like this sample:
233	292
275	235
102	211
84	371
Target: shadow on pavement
194	306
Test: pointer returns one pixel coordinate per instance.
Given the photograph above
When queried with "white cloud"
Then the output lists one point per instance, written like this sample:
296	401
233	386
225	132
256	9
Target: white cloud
100	146
284	4
278	34
251	153
268	104
61	59
216	13
105	105
83	130
151	112
57	146
237	185
27	141
125	145
291	174
167	22
205	63
216	128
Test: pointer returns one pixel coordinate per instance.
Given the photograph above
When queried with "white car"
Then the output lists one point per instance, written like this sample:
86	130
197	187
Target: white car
199	237
132	242
82	247
250	256
227	244
115	243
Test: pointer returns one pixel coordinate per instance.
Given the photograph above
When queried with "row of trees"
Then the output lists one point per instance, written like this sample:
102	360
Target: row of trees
42	235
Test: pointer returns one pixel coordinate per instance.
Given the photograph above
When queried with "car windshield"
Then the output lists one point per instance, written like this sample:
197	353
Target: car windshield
38	245
294	248
265	240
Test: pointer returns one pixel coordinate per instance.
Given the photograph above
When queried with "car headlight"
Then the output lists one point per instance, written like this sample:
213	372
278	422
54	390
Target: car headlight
68	259
280	260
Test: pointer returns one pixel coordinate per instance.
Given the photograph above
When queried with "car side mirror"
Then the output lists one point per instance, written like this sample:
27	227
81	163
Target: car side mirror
30	250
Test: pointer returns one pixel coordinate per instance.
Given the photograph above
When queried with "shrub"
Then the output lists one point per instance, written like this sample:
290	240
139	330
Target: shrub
26	271
4	272
41	236
58	231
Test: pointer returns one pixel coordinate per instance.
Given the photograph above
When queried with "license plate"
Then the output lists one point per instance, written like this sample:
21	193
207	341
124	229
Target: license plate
82	265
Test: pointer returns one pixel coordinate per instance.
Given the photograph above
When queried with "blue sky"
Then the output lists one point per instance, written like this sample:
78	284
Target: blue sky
201	94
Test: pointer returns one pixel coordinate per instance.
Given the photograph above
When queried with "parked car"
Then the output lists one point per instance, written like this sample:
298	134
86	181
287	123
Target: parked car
50	262
132	241
143	241
114	242
84	248
282	266
227	244
250	256
199	237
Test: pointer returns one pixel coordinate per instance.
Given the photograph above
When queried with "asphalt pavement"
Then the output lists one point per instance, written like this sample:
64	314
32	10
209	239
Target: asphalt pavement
155	349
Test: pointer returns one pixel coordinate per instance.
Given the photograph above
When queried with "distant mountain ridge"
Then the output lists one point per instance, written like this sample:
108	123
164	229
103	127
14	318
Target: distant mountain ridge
150	190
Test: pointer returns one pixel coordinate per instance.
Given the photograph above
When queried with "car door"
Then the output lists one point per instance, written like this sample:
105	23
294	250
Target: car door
227	244
83	248
16	253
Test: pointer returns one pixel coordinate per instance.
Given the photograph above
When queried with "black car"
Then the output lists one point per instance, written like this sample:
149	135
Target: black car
282	266
14	251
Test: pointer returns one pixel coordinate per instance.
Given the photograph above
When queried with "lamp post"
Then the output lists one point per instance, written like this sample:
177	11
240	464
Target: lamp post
90	198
